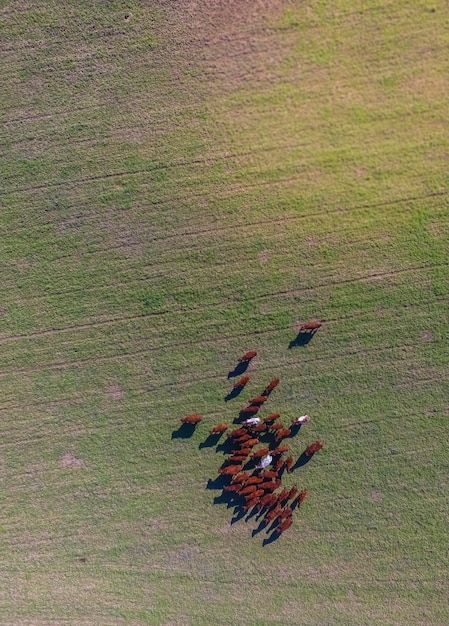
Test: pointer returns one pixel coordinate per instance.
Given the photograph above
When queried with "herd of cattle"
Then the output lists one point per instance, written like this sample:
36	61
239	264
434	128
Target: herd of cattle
251	476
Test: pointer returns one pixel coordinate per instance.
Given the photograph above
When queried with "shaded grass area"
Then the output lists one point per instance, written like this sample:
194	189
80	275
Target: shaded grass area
182	185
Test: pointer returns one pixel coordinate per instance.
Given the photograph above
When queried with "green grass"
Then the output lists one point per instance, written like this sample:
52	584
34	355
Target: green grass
181	185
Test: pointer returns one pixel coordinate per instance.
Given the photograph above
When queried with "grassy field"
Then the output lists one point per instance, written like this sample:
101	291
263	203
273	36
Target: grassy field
183	182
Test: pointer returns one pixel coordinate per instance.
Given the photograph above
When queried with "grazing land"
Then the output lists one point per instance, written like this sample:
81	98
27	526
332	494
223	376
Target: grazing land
183	182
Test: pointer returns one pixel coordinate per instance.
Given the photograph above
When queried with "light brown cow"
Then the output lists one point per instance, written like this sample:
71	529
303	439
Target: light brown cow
219	428
191	419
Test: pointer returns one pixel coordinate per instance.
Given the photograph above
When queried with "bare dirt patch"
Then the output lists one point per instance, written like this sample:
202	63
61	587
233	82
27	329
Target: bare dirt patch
427	335
263	256
68	460
376	495
115	392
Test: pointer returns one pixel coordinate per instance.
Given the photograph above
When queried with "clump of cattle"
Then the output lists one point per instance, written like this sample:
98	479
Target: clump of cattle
258	456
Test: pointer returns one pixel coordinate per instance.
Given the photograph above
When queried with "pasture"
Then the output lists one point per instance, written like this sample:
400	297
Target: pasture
183	182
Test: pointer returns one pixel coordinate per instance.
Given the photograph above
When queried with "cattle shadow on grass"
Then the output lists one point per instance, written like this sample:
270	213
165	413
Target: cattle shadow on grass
184	431
211	441
302	460
272	538
301	339
219	482
239	369
235	391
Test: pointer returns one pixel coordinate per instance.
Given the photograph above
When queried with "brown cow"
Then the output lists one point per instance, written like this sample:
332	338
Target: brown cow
271	418
242	438
191	419
253	480
280	450
219	428
277	426
238	458
252	442
233	488
258	400
289	464
248	356
242	451
313	447
248	489
283	496
241	382
283	433
310	327
271	515
270	485
239	478
274	383
269	474
230	470
293	492
250	503
268	500
285	525
302	496
260	453
237	432
260	428
250	410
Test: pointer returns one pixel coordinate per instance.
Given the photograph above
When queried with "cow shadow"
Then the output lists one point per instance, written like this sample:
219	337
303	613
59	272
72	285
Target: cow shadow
235	391
239	514
302	460
302	339
262	526
295	428
272	538
219	482
239	369
184	431
211	441
226	446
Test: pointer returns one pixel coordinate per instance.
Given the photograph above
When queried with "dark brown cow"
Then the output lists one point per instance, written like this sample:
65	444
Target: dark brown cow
302	496
250	503
242	439
219	428
283	496
313	447
248	356
191	419
293	492
243	451
241	382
